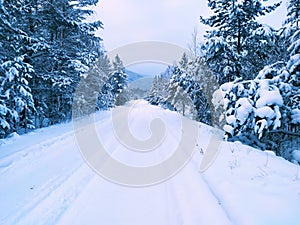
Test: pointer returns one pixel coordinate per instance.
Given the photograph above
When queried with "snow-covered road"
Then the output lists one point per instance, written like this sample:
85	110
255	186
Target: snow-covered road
44	180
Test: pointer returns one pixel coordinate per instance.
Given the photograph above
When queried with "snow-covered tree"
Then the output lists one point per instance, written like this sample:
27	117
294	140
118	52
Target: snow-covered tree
119	82
293	16
289	65
195	46
47	45
112	92
117	64
18	94
91	84
262	48
159	88
72	49
221	58
254	108
228	45
260	71
191	87
179	97
16	100
158	94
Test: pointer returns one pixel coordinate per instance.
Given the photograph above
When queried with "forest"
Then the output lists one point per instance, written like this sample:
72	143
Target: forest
244	78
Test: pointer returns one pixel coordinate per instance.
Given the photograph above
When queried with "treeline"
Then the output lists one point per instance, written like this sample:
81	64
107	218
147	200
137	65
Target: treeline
244	78
46	48
186	88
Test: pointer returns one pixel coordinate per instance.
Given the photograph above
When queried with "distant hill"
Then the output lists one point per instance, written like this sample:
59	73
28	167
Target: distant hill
133	76
143	83
139	81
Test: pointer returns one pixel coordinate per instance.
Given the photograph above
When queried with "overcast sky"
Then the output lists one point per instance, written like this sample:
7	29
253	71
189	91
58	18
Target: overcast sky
173	21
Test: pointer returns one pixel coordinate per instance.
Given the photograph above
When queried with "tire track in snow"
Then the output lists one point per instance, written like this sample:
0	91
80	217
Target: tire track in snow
9	160
179	196
195	163
196	201
56	195
58	160
187	197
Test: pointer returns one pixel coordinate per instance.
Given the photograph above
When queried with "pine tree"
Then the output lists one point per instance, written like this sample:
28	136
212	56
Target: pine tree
263	48
179	98
72	49
289	66
182	88
221	58
159	87
16	101
18	94
293	16
253	108
119	82
113	92
46	46
66	46
90	87
117	64
268	102
158	94
227	46
204	84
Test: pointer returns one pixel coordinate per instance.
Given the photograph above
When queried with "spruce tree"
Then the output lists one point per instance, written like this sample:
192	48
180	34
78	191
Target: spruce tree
72	49
293	16
227	45
90	87
113	92
16	100
46	47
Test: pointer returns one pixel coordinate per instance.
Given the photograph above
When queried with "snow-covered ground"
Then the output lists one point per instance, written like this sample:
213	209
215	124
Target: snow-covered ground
44	180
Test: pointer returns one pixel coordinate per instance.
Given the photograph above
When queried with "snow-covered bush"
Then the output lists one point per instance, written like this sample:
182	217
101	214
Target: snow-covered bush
296	116
256	106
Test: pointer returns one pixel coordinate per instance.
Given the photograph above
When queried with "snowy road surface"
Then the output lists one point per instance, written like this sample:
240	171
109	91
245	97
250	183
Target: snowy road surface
44	180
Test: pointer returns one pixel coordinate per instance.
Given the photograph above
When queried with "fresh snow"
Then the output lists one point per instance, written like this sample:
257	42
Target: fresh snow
293	63
228	129
268	97
265	112
296	155
296	116
231	120
45	181
244	108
